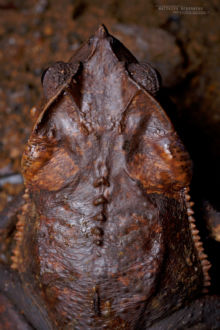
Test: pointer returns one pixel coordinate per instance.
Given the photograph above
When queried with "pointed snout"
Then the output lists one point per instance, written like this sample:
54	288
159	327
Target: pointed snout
101	32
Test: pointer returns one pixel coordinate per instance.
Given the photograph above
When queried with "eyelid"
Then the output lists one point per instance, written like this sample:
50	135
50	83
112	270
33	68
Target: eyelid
43	75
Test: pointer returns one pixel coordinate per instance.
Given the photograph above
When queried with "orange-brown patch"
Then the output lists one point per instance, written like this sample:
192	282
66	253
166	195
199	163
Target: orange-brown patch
124	280
54	173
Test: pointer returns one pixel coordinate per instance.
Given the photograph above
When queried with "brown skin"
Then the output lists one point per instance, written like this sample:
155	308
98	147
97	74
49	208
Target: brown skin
107	212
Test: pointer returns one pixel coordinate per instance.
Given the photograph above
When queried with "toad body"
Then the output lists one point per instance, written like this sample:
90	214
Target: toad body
106	239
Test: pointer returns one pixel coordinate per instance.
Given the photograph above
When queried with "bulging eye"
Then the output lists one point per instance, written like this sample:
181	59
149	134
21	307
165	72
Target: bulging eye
54	77
146	76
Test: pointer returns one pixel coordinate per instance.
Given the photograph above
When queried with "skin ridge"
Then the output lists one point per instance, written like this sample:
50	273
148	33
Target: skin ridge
197	242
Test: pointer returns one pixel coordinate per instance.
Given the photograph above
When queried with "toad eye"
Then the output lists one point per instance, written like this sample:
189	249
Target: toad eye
53	77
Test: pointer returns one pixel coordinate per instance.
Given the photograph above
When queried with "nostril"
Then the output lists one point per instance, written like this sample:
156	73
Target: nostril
102	32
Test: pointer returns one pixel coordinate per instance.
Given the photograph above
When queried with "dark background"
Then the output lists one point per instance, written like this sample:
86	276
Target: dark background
182	43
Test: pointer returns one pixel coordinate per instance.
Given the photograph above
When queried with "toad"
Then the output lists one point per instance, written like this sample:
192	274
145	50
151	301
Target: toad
106	238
